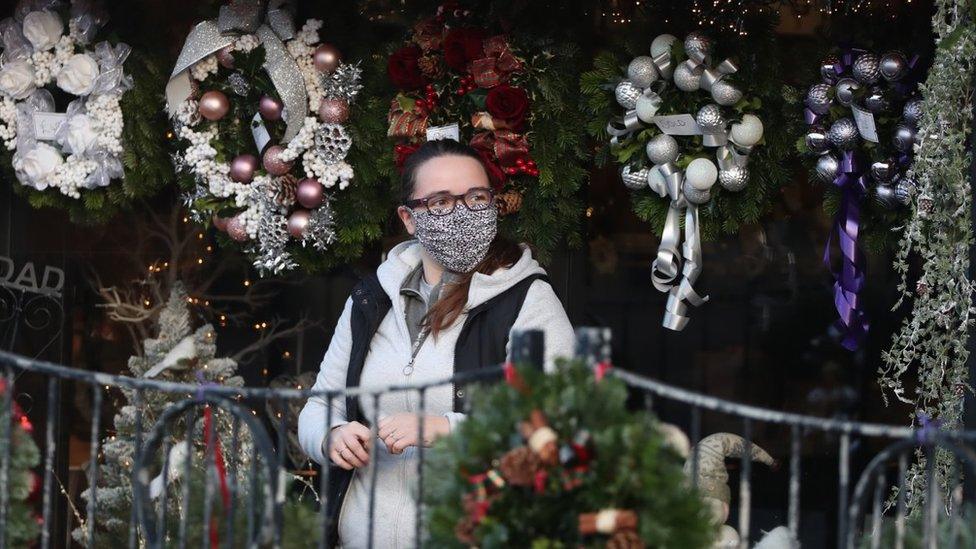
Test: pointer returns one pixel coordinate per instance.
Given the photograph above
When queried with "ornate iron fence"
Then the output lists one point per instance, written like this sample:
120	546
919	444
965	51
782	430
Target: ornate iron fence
250	469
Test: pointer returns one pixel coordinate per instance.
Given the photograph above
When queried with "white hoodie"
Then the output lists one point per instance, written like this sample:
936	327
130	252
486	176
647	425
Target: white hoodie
389	352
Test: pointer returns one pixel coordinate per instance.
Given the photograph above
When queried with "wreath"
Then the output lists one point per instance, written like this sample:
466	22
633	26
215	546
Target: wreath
75	124
674	185
863	116
510	99
556	460
259	111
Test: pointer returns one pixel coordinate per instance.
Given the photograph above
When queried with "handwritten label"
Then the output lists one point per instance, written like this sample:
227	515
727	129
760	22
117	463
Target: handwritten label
865	124
451	131
259	132
50	284
46	124
677	124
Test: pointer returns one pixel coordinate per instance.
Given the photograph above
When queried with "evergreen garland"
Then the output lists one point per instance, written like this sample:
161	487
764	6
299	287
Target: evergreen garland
776	104
934	337
630	467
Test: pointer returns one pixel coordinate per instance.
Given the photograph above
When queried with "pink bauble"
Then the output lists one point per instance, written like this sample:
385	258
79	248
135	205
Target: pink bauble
214	105
309	193
273	163
297	223
225	56
326	58
236	230
242	168
334	110
270	108
220	223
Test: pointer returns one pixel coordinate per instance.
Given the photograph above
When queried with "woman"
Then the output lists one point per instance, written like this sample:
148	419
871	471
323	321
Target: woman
441	303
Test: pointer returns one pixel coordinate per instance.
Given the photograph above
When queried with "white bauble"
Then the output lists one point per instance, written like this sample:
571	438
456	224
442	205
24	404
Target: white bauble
662	43
718	509
748	131
728	538
701	174
656	181
647	107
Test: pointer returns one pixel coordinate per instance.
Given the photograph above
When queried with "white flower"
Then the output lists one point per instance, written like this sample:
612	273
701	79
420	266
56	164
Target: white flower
81	135
43	29
17	79
78	74
40	164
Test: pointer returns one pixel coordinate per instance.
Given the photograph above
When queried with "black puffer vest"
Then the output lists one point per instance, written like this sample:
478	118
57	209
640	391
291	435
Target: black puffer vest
482	343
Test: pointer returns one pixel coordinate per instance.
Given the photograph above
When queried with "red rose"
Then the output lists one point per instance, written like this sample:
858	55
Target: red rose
494	171
461	46
508	103
404	68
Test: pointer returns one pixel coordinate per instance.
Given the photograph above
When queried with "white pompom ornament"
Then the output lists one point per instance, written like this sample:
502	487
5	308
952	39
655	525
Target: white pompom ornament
748	132
701	174
662	43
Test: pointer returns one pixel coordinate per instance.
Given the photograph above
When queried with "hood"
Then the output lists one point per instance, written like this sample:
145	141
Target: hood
405	257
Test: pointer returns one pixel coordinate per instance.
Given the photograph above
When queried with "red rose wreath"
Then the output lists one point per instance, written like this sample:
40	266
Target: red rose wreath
457	79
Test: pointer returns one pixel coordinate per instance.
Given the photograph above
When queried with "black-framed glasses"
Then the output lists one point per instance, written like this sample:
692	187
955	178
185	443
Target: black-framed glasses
476	200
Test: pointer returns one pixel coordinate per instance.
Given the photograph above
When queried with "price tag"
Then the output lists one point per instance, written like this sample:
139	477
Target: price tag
677	124
46	124
260	133
865	124
451	131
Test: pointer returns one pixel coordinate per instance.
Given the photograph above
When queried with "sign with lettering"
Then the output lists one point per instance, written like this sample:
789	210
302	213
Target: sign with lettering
25	278
678	124
46	125
865	124
451	131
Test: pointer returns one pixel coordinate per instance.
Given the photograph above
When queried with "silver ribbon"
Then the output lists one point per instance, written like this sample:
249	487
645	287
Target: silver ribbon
728	156
672	272
244	16
621	127
712	75
664	64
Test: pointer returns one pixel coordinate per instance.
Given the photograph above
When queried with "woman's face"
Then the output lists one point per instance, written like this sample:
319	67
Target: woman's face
450	174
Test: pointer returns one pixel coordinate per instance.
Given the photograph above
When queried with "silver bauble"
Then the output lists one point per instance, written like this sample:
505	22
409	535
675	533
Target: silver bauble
725	94
641	71
634	180
694	195
698	46
627	93
687	78
885	195
882	172
905	190
844	90
817	140
843	134
876	101
894	66
710	118
828	68
913	112
662	149
827	168
818	98
903	138
734	179
867	68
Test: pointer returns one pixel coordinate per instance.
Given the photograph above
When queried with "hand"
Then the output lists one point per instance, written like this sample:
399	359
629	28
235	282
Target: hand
350	444
402	430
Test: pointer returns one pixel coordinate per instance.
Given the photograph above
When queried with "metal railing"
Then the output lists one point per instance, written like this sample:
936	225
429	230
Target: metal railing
250	477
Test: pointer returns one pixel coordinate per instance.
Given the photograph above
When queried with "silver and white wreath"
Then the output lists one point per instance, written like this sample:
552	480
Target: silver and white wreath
678	264
77	149
271	215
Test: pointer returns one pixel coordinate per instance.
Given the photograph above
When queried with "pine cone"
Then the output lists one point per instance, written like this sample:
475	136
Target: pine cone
509	202
519	466
430	67
627	539
287	187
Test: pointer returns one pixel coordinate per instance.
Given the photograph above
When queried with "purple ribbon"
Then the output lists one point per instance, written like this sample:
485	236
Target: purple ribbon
928	428
204	385
849	281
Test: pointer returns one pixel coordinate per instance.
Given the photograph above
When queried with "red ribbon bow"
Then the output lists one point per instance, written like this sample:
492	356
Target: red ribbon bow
507	146
496	65
221	473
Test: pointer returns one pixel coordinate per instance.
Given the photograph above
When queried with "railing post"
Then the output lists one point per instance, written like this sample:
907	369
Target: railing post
528	347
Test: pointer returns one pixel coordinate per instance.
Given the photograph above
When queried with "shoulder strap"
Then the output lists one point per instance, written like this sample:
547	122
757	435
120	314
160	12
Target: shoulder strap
484	336
370	304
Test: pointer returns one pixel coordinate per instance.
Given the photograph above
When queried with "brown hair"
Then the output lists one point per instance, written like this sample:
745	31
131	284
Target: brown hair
502	253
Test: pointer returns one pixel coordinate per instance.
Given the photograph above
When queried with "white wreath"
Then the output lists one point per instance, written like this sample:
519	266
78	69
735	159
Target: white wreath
79	149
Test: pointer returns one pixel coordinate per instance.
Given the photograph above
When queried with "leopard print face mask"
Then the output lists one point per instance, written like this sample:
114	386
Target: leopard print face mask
459	240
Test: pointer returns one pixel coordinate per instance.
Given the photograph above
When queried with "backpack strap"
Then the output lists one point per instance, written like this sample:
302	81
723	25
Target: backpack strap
484	336
369	307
